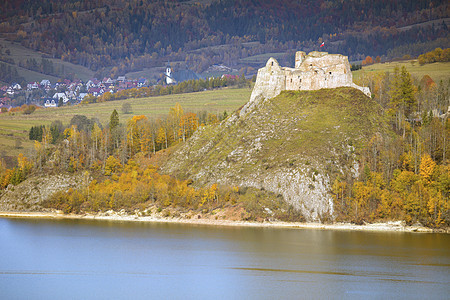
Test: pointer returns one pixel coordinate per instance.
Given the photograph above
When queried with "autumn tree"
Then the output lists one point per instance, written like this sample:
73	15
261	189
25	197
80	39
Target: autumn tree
126	108
112	166
427	166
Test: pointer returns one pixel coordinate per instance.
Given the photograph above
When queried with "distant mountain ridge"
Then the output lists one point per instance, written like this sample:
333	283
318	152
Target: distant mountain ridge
116	37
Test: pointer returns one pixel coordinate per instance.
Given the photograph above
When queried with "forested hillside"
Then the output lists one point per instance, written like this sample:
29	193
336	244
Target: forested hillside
115	37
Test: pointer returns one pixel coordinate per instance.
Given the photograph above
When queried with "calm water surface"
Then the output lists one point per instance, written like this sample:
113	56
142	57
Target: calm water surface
75	259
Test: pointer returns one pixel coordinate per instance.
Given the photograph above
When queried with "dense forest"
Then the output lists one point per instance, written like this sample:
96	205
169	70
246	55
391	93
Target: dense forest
115	37
404	173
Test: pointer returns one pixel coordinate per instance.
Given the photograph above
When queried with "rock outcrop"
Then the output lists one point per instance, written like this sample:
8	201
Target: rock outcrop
314	71
29	195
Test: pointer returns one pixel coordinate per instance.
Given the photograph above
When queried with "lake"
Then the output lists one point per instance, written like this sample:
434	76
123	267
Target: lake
81	259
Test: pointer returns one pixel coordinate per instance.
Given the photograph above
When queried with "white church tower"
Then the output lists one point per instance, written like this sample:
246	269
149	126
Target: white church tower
168	73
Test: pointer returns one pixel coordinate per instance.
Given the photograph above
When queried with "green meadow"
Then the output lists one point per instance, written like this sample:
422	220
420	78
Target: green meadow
437	71
263	58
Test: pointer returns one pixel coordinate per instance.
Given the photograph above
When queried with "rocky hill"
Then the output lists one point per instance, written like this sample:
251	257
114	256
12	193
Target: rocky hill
293	145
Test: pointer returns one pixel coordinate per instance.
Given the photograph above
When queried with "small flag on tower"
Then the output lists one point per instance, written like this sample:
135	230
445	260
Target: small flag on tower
323	44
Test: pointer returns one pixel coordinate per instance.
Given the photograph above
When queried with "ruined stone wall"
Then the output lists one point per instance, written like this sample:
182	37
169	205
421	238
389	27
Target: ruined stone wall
314	71
270	81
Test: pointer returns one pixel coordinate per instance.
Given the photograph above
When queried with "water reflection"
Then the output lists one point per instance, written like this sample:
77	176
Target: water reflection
54	258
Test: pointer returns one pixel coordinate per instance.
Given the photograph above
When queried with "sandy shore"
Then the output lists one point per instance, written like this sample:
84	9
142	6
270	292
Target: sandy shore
389	226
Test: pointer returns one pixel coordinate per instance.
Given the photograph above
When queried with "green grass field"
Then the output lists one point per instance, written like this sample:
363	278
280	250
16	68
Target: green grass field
437	71
263	58
15	126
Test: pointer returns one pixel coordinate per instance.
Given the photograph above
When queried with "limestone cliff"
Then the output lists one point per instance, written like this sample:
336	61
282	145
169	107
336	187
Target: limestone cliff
294	145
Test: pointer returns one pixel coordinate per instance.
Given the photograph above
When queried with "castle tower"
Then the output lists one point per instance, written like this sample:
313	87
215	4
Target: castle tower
299	57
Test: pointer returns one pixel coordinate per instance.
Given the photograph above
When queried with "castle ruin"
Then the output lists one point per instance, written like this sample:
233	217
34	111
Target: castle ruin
314	71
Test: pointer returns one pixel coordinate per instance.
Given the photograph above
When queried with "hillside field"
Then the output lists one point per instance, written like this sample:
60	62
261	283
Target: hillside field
261	59
15	126
19	53
437	71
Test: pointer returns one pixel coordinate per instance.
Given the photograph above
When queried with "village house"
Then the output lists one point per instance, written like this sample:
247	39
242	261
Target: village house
45	83
89	84
50	103
107	81
16	86
32	86
71	95
10	91
81	96
95	91
141	82
58	96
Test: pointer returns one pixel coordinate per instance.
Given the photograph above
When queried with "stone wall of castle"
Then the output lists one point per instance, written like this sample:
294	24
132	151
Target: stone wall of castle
314	71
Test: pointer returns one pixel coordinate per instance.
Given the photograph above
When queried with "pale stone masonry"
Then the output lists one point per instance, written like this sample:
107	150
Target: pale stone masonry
314	71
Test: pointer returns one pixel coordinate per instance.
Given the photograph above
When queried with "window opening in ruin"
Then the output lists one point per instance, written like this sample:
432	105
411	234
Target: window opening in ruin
272	64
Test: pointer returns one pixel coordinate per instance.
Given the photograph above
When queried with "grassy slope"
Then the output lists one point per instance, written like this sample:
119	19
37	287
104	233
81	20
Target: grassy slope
20	53
437	71
293	129
16	126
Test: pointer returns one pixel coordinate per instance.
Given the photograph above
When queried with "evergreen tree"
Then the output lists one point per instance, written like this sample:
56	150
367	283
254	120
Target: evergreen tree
408	92
114	120
114	131
403	100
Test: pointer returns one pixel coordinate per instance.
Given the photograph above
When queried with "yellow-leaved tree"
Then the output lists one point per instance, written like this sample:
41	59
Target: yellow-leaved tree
112	166
427	166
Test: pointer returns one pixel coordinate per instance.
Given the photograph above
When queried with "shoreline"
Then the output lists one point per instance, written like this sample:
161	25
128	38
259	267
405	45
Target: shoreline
396	226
